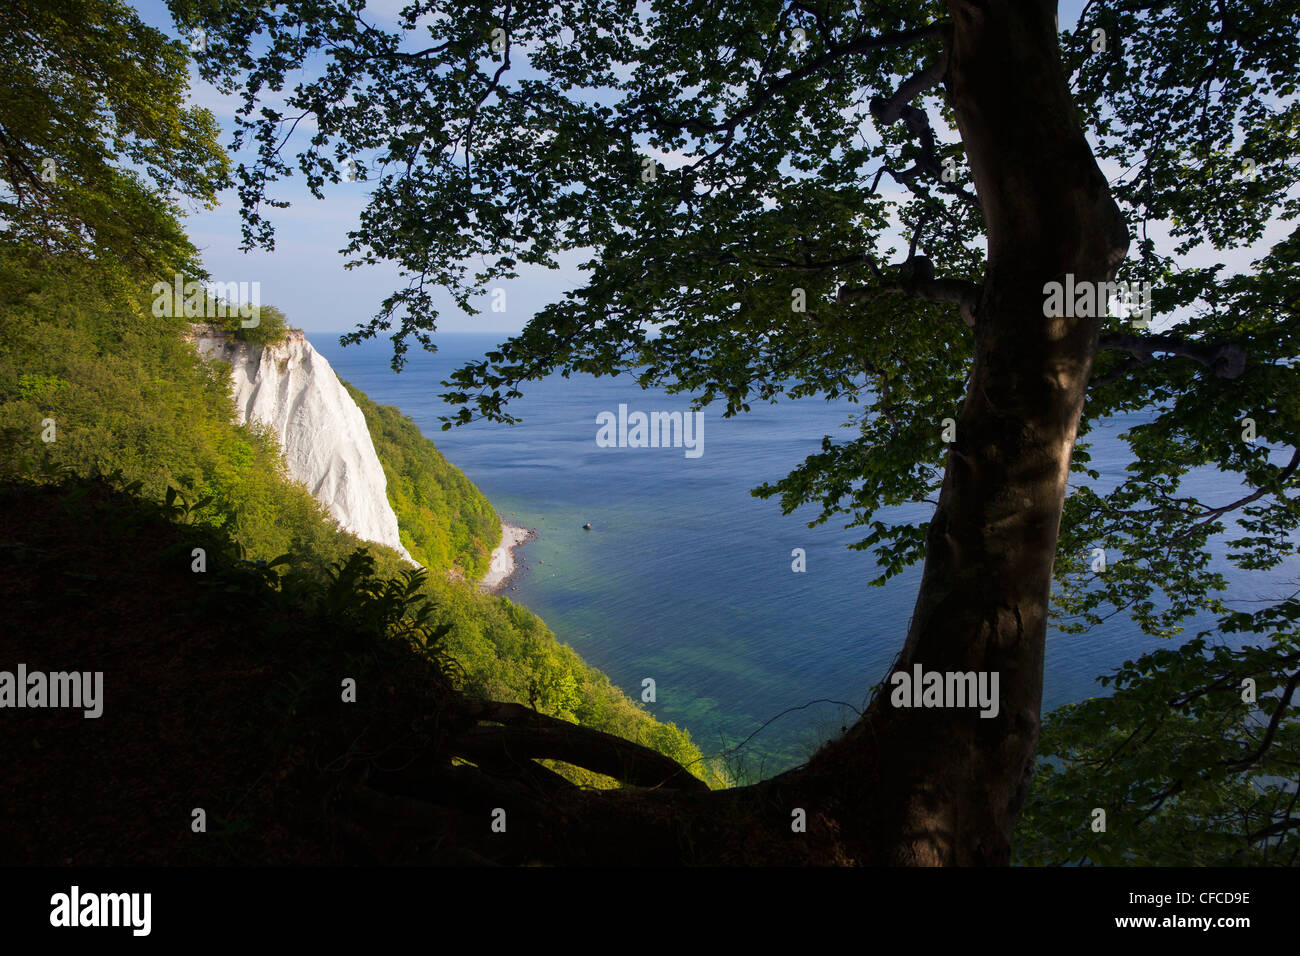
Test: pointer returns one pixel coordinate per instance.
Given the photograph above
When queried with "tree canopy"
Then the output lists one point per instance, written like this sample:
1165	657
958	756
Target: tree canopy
793	198
96	145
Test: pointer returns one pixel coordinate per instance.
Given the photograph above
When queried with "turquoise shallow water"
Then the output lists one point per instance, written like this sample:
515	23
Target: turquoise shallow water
685	577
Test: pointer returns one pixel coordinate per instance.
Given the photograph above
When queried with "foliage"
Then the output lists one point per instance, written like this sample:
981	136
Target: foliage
395	607
272	326
97	146
445	522
135	398
80	344
1194	777
774	120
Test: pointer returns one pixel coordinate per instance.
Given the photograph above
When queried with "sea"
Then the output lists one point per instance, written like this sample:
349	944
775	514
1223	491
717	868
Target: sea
686	579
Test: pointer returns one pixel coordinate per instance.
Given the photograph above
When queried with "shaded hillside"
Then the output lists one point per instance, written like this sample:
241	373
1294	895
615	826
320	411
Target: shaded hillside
223	691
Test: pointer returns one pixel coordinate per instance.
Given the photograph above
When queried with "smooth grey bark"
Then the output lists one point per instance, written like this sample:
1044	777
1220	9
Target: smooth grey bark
944	786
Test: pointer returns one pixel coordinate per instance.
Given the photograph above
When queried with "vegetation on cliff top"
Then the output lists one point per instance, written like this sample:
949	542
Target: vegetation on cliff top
445	522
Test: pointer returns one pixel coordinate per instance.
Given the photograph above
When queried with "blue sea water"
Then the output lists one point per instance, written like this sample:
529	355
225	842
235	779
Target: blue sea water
685	577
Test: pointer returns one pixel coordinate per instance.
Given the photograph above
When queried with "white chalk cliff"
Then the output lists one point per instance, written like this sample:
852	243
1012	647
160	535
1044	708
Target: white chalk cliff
327	447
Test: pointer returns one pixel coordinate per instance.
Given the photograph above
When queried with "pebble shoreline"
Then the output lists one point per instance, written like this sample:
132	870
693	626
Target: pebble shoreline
502	564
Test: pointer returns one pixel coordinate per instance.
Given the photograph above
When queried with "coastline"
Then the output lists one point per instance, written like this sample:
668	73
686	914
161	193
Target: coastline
502	564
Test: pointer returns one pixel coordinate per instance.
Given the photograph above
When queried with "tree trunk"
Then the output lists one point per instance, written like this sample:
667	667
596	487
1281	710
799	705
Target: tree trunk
919	785
944	785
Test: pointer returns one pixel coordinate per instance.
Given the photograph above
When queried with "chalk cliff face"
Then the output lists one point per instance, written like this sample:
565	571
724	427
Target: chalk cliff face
327	447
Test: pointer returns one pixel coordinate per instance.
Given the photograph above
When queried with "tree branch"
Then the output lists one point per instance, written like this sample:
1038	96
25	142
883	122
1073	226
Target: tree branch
916	278
888	111
813	66
1213	514
1225	360
1274	722
529	735
891	110
1273	829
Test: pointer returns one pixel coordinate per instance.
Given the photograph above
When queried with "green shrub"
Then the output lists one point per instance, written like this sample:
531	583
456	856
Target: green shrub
445	522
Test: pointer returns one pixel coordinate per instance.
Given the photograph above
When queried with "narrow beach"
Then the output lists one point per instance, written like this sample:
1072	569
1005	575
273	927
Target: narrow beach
502	563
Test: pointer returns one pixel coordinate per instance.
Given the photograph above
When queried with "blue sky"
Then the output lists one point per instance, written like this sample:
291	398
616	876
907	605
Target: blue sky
305	277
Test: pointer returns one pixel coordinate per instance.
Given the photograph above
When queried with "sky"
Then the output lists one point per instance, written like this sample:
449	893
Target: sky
304	275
